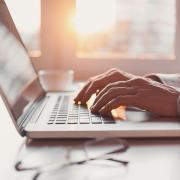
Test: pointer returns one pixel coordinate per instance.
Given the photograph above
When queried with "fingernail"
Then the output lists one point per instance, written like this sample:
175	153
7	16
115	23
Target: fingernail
97	91
79	102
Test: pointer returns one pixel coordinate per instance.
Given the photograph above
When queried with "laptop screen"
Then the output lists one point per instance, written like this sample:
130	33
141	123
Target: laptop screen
18	80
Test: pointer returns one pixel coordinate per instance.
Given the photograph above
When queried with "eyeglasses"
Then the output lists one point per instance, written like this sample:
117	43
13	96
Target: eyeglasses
103	152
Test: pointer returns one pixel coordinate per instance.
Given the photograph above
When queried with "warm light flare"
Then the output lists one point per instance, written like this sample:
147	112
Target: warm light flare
94	16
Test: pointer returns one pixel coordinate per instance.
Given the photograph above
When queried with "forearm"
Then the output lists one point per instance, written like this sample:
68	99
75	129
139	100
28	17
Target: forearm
168	79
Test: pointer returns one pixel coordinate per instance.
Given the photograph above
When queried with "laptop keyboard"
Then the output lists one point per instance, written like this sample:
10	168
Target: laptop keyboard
66	112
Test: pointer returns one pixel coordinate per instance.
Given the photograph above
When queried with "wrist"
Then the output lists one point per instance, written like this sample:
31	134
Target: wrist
153	77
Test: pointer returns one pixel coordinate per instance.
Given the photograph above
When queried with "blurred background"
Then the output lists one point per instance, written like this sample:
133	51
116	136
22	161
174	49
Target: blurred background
110	29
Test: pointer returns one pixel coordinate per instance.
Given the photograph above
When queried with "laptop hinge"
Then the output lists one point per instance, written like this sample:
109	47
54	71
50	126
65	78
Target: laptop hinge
35	107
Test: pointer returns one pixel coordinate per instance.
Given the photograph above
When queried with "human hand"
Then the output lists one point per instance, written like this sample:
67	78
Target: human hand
139	92
97	83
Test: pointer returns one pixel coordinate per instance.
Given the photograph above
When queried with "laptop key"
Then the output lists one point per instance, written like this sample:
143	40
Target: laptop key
61	122
72	121
96	120
61	119
84	120
50	123
51	120
108	120
61	116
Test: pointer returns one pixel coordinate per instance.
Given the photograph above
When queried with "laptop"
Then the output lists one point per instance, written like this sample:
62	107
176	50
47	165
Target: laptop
39	114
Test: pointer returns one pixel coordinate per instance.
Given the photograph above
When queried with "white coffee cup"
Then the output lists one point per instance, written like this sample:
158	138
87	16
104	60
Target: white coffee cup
56	80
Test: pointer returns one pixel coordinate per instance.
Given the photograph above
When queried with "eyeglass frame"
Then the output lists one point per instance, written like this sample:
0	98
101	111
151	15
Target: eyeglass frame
41	169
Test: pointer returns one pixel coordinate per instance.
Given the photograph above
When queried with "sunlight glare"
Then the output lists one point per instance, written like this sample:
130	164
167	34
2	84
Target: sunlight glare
94	16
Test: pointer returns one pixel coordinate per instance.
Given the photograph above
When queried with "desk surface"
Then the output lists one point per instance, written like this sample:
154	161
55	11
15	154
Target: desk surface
10	141
149	158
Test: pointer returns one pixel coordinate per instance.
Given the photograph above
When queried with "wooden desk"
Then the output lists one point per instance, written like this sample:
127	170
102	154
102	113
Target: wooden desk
149	158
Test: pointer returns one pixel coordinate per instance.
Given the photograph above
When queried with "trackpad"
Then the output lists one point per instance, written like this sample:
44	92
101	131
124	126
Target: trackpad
136	115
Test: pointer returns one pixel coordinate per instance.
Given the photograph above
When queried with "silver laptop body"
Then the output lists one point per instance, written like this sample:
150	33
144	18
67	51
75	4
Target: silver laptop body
37	114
